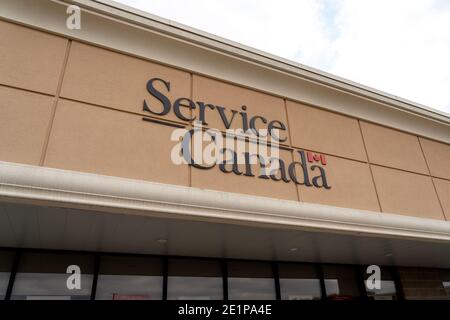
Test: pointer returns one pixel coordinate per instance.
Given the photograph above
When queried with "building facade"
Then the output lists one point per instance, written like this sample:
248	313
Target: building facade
88	178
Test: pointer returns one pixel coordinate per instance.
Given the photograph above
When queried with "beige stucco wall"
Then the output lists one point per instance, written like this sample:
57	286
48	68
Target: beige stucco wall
69	105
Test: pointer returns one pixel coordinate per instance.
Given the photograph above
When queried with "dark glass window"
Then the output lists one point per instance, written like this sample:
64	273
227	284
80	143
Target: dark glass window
250	280
444	275
298	281
341	282
387	289
44	276
446	285
194	279
129	278
6	260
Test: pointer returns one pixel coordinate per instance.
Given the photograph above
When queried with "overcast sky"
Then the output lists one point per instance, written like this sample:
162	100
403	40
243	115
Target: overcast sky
398	46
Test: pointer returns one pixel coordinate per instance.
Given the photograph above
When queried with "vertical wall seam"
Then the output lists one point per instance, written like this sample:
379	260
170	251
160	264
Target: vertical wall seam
297	187
370	166
55	103
191	93
432	181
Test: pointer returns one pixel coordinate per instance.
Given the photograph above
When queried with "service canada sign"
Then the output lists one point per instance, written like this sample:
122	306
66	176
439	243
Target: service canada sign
251	149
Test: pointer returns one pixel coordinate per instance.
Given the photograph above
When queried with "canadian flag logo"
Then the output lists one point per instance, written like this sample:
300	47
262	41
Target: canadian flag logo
314	157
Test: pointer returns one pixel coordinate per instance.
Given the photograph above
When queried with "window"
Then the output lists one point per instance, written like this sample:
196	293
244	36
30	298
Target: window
129	278
44	276
341	282
250	280
299	282
423	283
446	285
6	260
444	275
194	279
387	289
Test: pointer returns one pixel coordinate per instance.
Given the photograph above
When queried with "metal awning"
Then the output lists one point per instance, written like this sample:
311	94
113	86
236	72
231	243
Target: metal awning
57	209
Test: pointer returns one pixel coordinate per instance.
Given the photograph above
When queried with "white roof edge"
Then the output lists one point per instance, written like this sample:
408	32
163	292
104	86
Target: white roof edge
121	11
72	189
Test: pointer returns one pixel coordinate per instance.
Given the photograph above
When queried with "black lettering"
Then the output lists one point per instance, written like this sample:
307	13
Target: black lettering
281	168
225	121
252	123
158	95
322	177
201	114
222	165
262	166
176	108
303	165
185	150
275	124
244	119
248	167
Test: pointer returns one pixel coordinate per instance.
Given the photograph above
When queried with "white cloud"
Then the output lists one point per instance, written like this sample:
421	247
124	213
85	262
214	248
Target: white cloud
401	47
282	27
